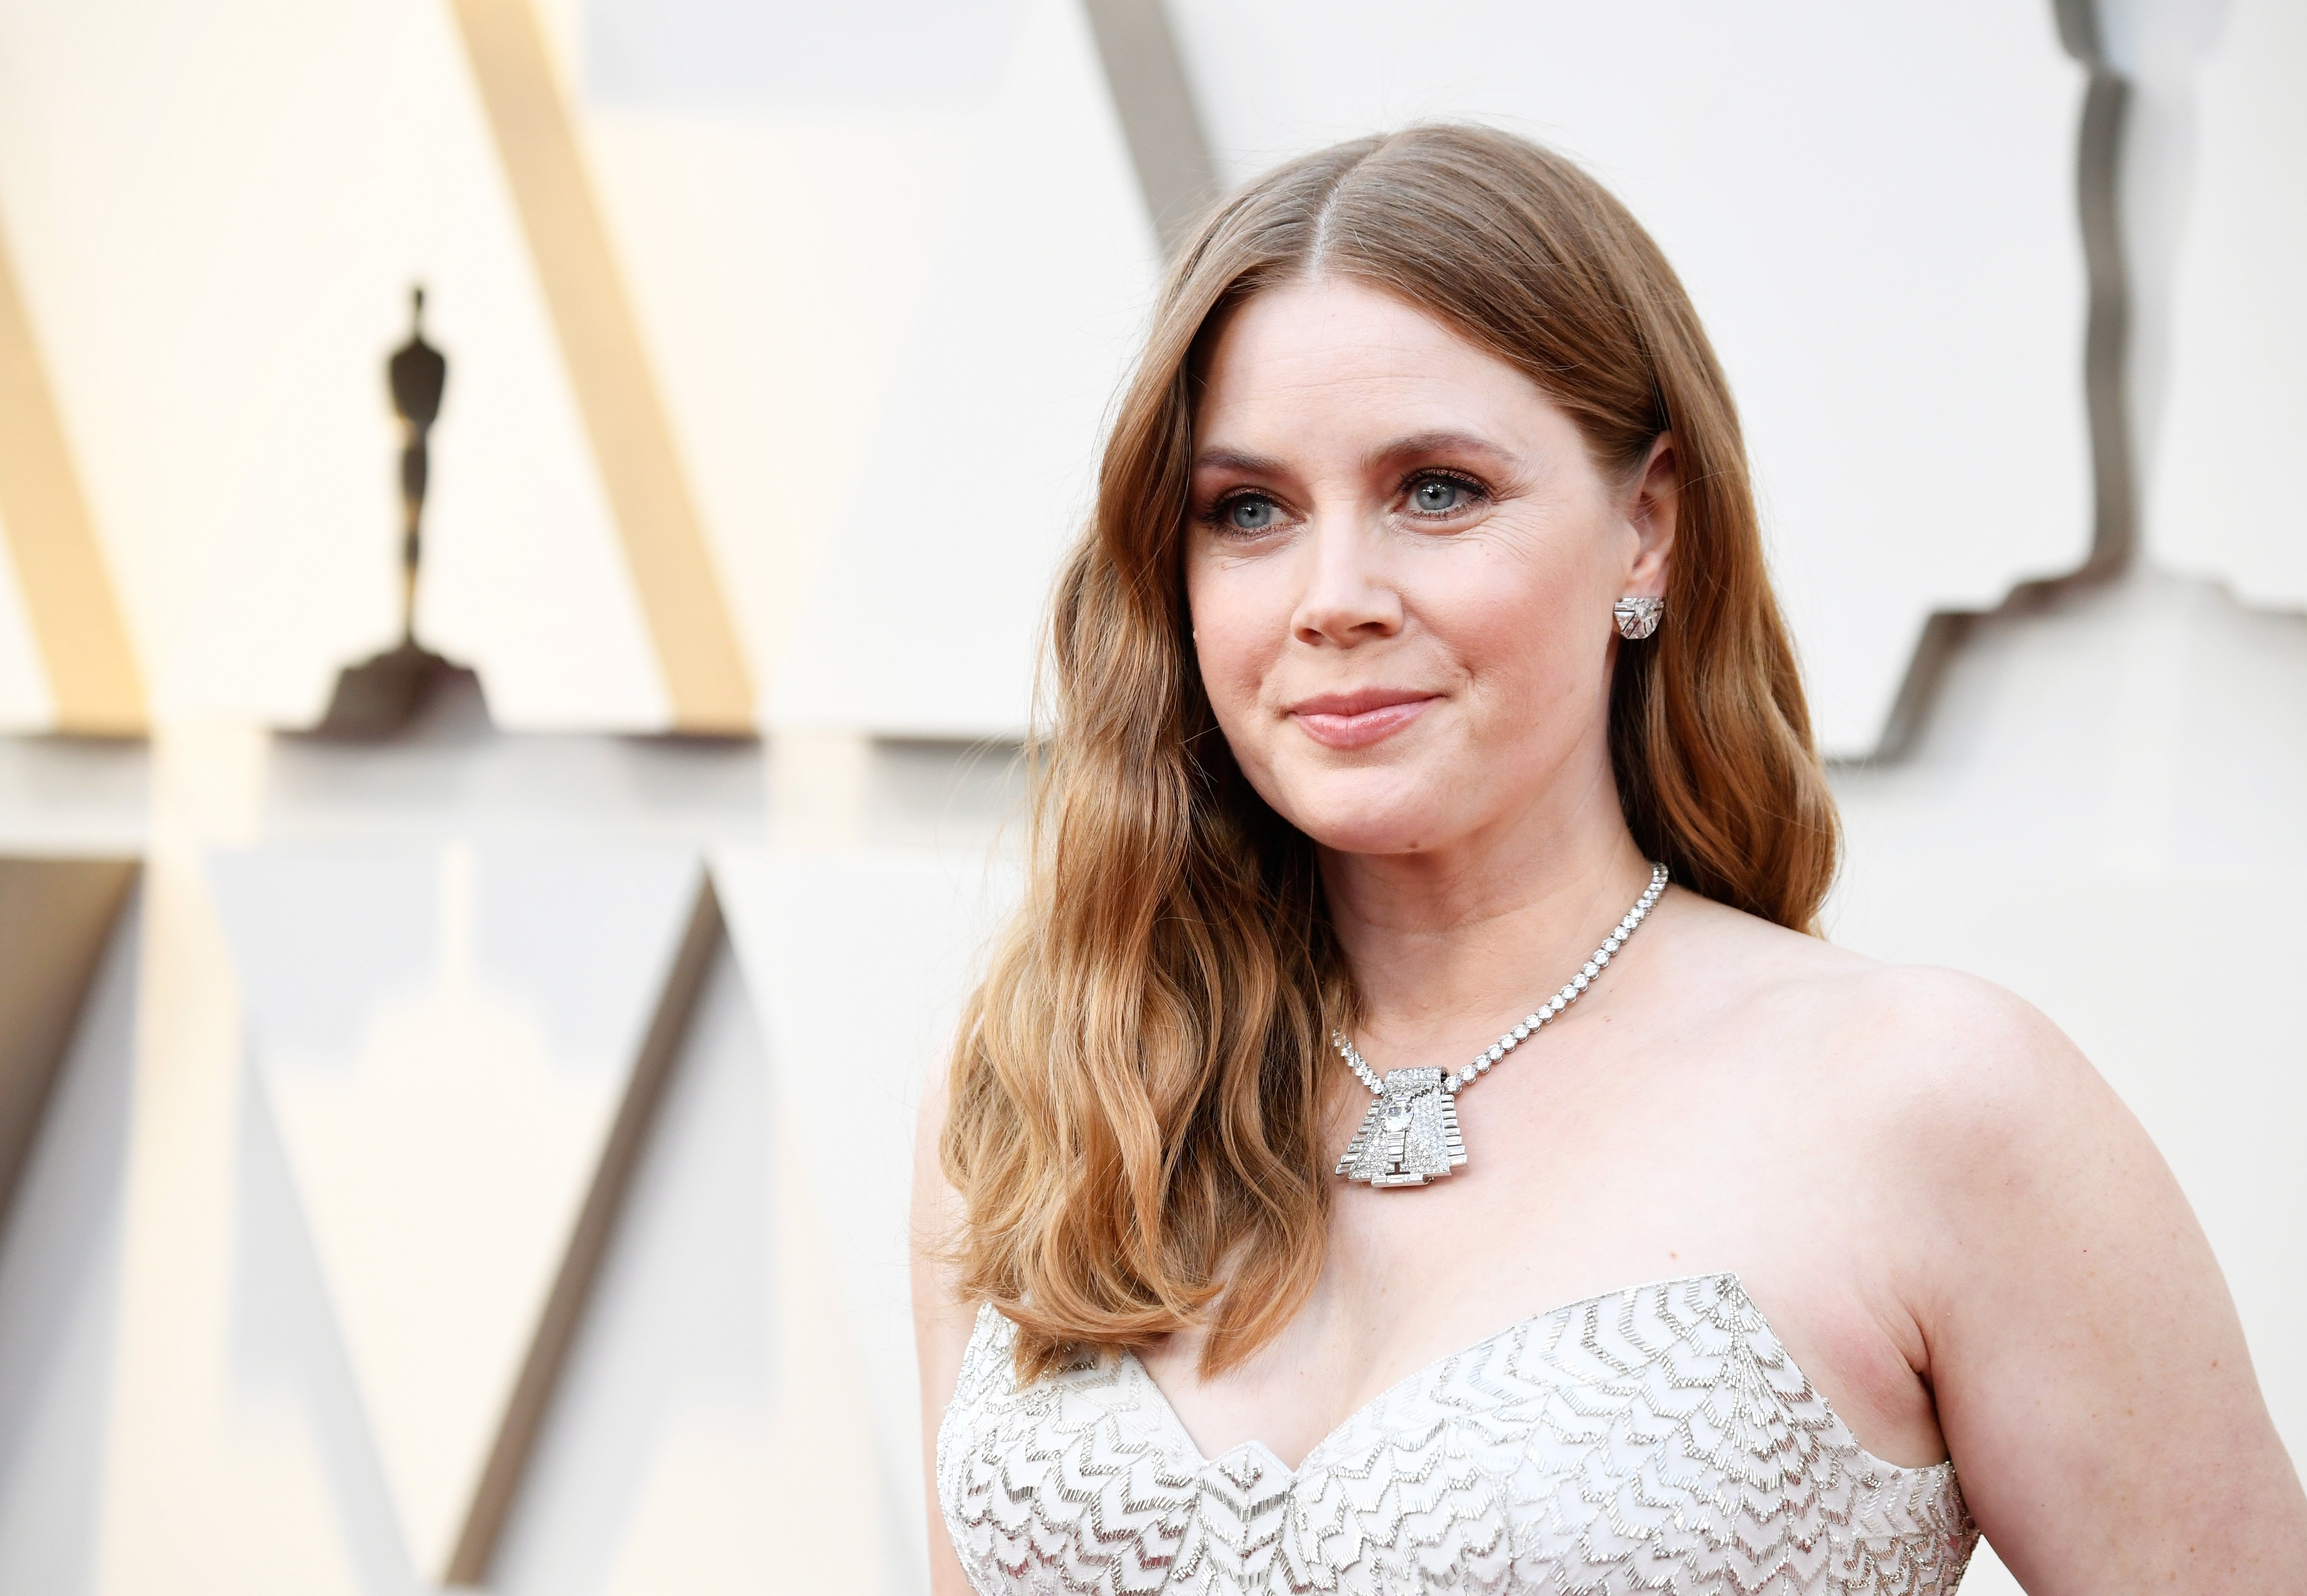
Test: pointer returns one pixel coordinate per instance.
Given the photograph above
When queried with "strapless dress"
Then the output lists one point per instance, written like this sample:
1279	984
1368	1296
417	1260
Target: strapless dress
1656	1439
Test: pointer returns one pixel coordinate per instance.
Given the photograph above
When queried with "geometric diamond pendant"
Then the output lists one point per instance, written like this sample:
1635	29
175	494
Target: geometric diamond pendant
1409	1135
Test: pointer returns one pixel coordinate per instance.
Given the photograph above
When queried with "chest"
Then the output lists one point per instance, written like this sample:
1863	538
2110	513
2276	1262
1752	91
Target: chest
1583	1179
1409	1276
1654	1438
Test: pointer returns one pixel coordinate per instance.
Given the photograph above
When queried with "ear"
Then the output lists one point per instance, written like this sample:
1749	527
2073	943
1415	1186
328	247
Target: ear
1651	503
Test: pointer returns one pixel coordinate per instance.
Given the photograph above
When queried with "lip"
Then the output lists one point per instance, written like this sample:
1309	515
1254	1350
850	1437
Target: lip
1358	719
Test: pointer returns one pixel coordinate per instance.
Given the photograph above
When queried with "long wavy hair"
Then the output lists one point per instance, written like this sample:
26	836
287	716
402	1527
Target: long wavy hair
1136	1093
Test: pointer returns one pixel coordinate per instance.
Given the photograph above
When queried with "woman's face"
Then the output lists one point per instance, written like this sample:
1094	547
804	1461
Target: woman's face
1400	567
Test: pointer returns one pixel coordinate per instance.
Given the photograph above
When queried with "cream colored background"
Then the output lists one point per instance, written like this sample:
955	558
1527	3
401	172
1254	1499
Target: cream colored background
337	1097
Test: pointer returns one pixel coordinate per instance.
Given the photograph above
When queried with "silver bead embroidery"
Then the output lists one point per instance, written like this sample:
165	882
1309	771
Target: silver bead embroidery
1653	1439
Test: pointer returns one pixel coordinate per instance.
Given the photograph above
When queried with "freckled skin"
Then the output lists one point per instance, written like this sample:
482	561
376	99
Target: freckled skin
1400	574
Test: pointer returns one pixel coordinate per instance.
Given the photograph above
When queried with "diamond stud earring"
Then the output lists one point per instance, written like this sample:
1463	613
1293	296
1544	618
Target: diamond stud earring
1638	617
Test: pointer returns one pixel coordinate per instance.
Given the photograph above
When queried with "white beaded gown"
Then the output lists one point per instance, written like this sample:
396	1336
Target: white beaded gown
1656	1439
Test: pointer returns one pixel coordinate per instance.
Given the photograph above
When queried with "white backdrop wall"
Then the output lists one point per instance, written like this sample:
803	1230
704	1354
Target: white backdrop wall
885	310
2226	398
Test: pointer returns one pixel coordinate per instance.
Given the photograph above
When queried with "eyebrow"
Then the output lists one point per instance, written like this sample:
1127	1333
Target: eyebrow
1441	442
1241	460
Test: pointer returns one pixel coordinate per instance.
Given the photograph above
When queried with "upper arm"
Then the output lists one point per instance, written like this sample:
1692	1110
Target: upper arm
941	1321
2086	1358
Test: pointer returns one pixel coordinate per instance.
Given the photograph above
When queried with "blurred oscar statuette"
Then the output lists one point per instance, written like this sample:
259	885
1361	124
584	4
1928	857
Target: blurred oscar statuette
383	695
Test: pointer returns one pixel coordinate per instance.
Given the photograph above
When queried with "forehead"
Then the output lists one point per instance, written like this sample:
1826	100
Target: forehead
1351	352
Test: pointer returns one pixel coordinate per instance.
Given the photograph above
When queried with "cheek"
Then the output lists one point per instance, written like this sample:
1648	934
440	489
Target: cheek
1542	639
1233	643
1527	644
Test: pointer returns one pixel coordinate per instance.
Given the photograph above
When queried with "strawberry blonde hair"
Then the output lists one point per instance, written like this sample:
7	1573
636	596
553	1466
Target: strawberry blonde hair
1136	1094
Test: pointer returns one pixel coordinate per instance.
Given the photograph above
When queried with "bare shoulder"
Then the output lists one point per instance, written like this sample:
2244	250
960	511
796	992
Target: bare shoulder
1941	1034
1980	1087
1954	1071
1953	1044
2010	1228
1990	1156
2082	1354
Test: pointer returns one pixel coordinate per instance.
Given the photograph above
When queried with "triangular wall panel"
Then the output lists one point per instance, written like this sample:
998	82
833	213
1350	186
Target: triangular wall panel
61	1287
447	1033
57	920
980	468
858	964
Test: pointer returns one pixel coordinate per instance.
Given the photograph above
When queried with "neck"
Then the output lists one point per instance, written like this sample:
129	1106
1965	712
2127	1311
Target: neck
1449	944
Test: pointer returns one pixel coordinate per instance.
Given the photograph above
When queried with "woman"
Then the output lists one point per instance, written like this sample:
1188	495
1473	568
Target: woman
1361	1169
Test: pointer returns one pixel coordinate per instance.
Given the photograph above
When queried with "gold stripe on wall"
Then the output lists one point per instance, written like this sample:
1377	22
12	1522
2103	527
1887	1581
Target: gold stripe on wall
68	597
632	441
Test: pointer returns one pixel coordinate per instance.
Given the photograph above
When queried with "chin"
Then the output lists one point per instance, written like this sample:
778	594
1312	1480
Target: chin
1367	812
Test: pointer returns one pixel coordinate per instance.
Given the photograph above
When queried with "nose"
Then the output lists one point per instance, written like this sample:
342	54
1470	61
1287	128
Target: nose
1348	599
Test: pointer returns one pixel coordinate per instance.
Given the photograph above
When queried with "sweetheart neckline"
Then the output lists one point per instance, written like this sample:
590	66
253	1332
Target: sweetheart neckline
1729	1278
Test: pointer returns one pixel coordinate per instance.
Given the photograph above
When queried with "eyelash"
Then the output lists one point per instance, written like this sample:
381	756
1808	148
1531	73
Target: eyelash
1216	514
1475	493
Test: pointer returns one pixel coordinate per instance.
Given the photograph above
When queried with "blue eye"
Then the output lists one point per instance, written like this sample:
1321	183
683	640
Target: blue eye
1249	514
1438	496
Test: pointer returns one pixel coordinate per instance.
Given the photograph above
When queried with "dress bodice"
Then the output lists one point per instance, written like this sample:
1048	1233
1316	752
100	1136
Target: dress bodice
1656	1439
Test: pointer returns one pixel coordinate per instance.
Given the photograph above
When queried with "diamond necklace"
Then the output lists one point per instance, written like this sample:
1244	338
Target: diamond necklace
1411	1134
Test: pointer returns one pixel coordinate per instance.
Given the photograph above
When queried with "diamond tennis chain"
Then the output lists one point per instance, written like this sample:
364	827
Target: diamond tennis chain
1411	1134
